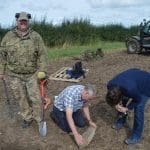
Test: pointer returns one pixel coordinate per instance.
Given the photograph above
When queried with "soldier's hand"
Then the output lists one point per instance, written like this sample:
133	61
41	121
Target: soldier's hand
47	102
41	75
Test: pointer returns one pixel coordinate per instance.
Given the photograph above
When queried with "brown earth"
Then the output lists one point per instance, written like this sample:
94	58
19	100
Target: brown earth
13	137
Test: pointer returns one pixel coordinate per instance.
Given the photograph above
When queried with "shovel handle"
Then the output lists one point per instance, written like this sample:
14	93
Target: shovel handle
42	84
42	93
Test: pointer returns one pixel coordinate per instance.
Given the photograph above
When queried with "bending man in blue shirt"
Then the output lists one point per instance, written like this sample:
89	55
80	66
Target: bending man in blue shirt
129	90
71	108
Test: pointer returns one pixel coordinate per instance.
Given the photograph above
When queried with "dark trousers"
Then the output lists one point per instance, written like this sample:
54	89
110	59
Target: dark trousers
138	116
61	121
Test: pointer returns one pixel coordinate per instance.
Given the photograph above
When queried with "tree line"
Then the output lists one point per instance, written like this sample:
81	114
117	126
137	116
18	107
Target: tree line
78	31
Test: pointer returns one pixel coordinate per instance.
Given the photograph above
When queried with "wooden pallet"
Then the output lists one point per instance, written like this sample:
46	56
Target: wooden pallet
61	75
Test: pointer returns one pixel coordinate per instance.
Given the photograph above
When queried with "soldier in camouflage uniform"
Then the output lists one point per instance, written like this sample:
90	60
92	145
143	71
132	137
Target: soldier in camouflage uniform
23	55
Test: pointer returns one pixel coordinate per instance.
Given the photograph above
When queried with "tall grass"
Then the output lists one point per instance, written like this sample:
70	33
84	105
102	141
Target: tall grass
78	31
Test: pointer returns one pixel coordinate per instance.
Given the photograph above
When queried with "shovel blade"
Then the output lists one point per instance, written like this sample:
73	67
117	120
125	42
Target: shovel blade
43	128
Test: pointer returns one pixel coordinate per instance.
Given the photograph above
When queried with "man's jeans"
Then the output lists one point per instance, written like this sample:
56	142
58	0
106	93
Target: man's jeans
61	121
138	116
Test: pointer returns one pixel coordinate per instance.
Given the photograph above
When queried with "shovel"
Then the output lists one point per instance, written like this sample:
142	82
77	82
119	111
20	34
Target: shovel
42	125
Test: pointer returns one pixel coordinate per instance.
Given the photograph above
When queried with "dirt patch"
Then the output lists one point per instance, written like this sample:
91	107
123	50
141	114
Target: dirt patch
13	137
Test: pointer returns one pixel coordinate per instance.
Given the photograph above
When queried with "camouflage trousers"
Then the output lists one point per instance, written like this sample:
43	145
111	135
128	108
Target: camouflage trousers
25	90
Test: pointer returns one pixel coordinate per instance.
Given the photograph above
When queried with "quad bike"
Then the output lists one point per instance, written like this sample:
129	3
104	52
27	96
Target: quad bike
140	42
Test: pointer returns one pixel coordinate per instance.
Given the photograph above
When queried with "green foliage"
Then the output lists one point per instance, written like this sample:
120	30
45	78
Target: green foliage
2	32
78	31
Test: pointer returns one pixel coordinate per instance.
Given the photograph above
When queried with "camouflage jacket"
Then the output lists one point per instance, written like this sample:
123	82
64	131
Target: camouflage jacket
23	54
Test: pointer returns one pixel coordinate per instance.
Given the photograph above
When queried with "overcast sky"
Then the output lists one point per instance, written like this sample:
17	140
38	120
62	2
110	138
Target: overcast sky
126	12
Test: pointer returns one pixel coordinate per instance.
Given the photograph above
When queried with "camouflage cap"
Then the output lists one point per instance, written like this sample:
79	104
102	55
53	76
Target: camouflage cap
23	16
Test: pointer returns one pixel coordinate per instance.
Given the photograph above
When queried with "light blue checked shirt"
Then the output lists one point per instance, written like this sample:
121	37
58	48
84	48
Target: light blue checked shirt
70	97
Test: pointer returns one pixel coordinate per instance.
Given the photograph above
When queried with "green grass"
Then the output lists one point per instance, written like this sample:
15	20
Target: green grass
55	53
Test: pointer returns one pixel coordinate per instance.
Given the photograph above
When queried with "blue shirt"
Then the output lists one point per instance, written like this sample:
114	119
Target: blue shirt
70	97
133	82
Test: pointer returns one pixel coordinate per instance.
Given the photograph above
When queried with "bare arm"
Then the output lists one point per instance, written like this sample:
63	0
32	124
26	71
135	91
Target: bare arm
87	112
87	115
77	136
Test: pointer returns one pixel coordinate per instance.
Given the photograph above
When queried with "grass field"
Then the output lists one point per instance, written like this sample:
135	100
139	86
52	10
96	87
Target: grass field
55	53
